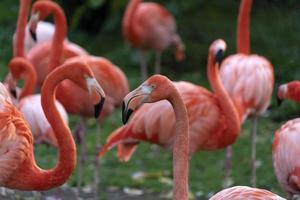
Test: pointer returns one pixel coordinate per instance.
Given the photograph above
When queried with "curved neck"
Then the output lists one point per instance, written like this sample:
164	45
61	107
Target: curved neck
27	73
225	102
243	36
40	179
59	34
180	147
21	27
129	29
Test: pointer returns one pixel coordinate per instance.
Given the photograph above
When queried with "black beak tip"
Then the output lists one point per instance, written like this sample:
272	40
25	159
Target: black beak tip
98	107
13	92
219	56
279	101
126	113
33	35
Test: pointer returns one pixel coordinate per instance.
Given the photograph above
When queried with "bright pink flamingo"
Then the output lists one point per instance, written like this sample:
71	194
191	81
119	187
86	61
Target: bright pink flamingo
213	119
30	105
48	55
158	88
17	158
249	80
244	192
105	72
149	26
290	91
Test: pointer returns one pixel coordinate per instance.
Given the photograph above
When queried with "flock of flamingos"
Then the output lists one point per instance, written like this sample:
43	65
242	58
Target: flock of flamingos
183	117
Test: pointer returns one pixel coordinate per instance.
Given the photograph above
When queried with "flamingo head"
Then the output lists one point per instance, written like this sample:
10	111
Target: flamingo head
154	89
281	93
217	48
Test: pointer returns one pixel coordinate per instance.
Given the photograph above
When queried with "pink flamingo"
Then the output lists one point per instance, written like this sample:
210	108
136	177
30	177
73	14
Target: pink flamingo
78	103
154	89
30	105
244	192
17	158
213	119
48	55
148	25
249	80
285	145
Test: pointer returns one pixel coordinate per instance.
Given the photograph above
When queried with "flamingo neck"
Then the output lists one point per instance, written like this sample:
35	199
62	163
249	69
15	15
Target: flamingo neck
30	79
21	27
59	35
39	179
180	148
129	28
225	102
243	35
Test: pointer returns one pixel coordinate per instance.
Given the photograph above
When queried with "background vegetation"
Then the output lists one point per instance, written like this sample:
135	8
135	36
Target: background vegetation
95	25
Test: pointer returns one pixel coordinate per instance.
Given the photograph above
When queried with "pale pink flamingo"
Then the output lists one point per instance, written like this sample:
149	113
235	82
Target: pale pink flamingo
285	145
17	158
149	26
30	105
249	80
244	192
213	119
155	89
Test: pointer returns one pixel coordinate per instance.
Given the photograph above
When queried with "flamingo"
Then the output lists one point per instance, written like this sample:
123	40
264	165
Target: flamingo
45	30
48	55
157	88
285	149
249	80
148	25
30	105
108	75
17	158
213	119
244	192
289	90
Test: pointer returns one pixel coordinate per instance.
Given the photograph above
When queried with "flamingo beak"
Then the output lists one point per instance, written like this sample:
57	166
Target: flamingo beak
33	25
93	85
219	56
134	100
279	101
11	85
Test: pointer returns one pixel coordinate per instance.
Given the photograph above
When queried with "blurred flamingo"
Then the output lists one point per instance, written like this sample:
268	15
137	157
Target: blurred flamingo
285	145
48	55
30	105
154	89
244	192
73	98
17	158
45	31
249	80
213	119
148	25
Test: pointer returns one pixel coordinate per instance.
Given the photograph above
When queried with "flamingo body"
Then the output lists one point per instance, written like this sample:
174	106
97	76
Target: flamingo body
249	80
31	108
285	156
244	192
40	57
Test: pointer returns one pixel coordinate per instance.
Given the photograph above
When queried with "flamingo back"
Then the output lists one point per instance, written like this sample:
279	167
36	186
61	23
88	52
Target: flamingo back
244	192
285	152
249	79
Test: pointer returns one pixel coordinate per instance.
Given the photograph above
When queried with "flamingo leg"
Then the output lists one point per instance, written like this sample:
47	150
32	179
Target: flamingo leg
82	156
253	151
144	73
228	167
97	163
157	62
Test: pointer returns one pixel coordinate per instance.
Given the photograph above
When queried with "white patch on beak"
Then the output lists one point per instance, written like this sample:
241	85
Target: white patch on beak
34	18
91	82
146	89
